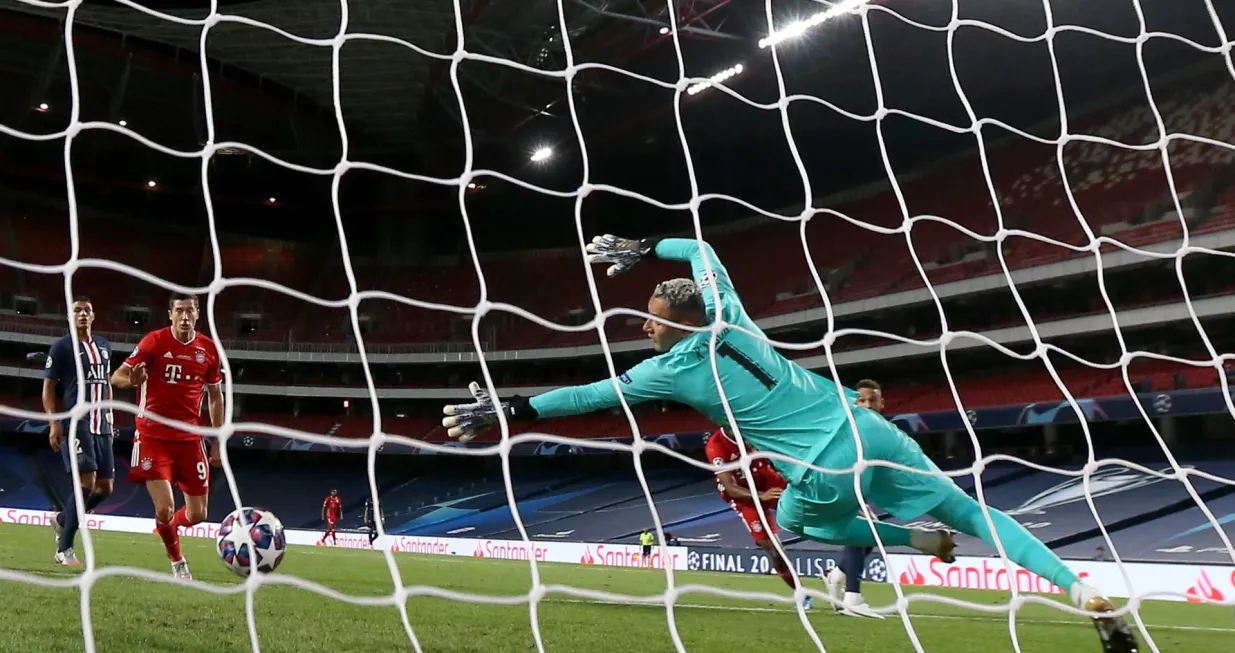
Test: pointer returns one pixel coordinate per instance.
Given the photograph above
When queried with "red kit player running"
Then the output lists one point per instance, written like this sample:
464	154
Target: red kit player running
332	511
769	484
171	367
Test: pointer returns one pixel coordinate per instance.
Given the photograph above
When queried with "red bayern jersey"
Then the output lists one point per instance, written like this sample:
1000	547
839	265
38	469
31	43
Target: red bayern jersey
721	450
176	375
333	506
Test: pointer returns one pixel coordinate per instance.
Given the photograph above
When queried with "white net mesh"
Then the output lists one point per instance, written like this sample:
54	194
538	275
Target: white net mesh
858	10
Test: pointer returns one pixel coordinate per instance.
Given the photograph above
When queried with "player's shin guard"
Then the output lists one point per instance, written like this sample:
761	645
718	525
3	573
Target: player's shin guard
171	540
965	515
71	522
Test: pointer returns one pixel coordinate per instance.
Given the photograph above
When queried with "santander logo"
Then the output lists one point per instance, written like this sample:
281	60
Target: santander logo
976	573
479	552
587	558
1204	589
912	576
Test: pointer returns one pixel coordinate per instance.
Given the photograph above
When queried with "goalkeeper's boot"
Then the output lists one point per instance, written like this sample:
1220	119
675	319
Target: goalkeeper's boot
1115	633
835	580
67	558
940	543
180	570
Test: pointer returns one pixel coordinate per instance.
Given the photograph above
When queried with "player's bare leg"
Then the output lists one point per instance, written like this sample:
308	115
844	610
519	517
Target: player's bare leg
781	566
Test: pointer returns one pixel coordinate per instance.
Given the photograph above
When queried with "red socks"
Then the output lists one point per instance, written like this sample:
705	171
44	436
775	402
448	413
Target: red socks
171	539
181	518
788	578
170	532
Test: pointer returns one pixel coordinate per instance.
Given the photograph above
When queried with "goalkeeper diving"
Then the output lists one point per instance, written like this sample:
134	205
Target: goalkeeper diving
780	407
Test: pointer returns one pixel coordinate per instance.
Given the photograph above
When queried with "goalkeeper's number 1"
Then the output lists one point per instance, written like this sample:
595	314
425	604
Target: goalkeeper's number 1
761	375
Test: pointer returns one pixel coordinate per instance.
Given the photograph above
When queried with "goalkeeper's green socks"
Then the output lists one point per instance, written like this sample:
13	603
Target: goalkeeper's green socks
964	514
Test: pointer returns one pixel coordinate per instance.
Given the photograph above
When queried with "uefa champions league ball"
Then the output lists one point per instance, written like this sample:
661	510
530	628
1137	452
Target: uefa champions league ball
251	536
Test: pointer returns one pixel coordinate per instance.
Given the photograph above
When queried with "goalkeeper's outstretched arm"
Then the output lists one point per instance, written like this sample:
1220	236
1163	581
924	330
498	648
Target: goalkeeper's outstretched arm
624	253
683	301
689	249
644	382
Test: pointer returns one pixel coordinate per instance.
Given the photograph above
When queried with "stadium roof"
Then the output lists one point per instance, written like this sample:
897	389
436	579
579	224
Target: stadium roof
382	83
397	101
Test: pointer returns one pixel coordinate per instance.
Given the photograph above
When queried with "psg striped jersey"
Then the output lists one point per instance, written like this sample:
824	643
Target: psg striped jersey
177	373
95	355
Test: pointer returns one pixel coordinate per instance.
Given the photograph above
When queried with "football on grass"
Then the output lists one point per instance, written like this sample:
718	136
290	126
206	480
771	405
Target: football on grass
251	538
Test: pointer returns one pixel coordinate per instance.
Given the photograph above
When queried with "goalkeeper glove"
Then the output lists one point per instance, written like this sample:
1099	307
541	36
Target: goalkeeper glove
466	421
623	253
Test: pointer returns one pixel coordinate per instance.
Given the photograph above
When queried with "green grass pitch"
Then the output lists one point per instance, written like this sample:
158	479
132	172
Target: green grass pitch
132	614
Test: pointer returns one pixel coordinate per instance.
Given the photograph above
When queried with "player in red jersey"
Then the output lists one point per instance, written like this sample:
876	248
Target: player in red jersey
332	512
721	449
171	367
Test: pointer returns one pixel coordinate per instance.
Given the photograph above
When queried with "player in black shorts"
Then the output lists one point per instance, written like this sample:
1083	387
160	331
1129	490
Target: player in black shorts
647	539
370	520
96	462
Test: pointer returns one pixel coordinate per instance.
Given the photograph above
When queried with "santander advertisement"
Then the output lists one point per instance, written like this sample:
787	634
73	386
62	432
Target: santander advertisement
580	553
1169	582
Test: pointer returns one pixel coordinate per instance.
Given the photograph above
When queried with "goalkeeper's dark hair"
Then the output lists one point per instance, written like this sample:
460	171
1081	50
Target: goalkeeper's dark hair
182	297
867	383
79	299
682	296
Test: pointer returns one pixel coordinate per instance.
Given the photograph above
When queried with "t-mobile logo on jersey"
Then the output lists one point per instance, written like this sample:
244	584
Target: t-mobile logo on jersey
172	373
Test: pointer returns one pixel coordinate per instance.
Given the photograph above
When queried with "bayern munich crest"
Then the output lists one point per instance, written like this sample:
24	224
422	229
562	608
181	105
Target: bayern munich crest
200	356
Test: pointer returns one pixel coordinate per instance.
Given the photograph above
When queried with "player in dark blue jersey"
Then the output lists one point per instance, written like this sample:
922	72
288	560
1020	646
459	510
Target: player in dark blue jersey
96	464
371	517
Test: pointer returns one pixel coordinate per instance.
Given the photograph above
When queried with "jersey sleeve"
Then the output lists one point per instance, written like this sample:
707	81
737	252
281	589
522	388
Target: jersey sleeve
689	249
144	351
53	367
214	371
644	382
714	451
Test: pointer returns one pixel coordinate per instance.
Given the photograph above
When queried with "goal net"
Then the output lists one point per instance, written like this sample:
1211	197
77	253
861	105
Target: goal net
1049	202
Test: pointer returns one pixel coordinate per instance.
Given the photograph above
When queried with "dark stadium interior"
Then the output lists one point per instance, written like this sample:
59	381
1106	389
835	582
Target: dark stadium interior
383	200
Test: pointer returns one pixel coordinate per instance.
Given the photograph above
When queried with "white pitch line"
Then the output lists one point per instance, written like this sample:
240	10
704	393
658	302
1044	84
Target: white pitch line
738	608
1004	619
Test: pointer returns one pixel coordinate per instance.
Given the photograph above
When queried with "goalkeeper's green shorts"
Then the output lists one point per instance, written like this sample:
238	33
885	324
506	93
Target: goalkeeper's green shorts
827	502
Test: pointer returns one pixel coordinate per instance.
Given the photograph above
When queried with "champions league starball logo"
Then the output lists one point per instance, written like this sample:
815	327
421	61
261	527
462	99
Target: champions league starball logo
877	571
692	561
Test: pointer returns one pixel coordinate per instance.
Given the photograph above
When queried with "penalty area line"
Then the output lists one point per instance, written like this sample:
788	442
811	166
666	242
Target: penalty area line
825	610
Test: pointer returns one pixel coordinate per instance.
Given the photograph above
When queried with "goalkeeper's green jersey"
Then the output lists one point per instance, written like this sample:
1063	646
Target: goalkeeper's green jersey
779	406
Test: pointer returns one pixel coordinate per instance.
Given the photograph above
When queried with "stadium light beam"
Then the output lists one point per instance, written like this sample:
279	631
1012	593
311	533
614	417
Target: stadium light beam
542	154
798	28
664	30
715	79
151	184
124	123
43	106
